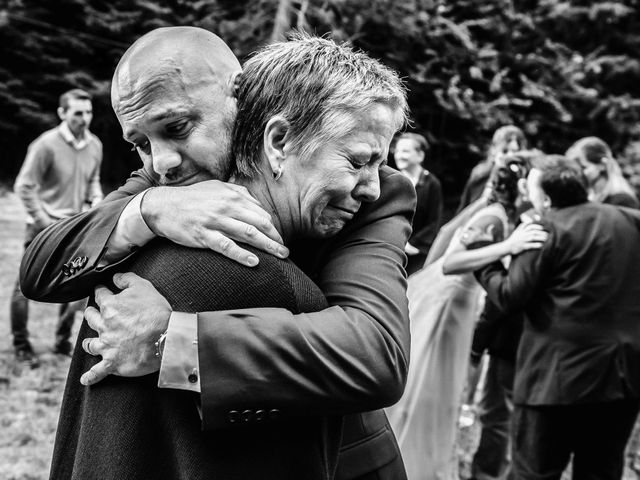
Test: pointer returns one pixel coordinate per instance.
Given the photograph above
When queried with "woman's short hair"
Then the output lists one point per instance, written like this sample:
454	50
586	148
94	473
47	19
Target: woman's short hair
419	140
313	83
562	180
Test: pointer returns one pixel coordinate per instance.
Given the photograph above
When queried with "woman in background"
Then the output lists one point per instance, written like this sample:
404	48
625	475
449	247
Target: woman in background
443	305
506	140
606	182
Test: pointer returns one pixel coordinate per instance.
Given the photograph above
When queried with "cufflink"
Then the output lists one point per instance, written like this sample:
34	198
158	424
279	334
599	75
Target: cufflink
193	376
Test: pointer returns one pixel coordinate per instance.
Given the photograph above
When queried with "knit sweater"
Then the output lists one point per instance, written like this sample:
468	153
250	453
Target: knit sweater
56	179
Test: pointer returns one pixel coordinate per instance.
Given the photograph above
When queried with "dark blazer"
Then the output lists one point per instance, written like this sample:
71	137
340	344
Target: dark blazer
360	347
426	221
581	297
128	428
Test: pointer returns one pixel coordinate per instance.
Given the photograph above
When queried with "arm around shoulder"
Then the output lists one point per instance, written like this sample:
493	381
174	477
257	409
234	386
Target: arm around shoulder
45	273
350	357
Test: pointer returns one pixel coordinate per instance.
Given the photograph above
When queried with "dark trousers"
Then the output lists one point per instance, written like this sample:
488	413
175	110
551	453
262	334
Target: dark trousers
19	309
596	434
492	458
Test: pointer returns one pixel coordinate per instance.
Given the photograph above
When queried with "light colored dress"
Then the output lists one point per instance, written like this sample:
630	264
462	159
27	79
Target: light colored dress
443	310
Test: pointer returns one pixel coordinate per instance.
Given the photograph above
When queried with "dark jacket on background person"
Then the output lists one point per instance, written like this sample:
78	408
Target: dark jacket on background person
369	251
622	199
497	333
426	221
581	296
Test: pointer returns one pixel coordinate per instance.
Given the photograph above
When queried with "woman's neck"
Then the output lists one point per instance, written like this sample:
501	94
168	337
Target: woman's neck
262	188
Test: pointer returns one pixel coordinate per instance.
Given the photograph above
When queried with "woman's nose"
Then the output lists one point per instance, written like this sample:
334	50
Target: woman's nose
368	189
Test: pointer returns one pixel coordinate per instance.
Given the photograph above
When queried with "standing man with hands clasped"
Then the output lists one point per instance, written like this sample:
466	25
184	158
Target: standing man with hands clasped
59	178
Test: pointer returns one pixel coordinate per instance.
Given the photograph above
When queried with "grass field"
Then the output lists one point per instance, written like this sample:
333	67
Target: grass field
30	399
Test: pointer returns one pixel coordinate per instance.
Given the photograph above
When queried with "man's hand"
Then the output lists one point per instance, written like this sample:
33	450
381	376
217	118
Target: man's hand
128	325
212	215
527	236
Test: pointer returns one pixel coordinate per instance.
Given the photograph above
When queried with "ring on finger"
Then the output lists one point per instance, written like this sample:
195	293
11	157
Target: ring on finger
87	346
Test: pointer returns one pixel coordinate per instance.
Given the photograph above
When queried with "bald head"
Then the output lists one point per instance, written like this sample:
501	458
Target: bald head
174	98
173	57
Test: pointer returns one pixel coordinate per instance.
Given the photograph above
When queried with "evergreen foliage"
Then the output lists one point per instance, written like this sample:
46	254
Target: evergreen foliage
559	69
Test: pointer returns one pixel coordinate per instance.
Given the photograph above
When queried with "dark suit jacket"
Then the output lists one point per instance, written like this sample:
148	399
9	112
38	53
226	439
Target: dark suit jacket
355	354
581	297
426	221
127	428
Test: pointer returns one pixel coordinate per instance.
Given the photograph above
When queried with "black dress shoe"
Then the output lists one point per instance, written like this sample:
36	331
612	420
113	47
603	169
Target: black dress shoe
25	354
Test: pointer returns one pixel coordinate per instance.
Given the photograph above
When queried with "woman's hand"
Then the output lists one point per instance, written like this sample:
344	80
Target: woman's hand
528	236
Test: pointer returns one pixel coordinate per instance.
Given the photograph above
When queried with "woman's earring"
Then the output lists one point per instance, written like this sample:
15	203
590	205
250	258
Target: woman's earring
277	173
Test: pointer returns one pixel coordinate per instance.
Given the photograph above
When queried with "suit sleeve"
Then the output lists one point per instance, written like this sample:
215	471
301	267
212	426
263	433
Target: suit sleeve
511	290
350	357
82	236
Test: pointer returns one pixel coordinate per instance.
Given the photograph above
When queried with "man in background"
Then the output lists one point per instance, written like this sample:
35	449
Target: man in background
410	152
577	378
59	178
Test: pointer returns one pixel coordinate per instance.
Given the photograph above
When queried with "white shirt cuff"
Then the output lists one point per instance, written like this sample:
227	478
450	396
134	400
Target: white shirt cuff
180	366
130	233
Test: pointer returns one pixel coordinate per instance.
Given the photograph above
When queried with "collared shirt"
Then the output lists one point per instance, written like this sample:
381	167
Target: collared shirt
71	139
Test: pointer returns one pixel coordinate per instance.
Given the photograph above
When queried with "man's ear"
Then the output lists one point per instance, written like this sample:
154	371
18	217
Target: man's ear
276	136
61	114
546	202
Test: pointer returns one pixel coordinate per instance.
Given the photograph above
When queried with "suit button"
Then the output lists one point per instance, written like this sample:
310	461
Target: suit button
260	415
193	376
233	416
274	414
247	416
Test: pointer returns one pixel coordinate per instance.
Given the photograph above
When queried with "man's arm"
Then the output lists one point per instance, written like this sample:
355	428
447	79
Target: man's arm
350	357
94	192
85	235
205	215
511	290
29	180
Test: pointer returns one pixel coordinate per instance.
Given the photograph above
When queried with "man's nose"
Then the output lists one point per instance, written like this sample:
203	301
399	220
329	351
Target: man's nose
165	157
368	188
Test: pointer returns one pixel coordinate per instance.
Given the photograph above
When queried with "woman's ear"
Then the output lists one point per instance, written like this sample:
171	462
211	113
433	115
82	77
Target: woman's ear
235	83
276	136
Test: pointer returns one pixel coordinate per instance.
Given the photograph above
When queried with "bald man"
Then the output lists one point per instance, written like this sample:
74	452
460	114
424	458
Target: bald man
175	107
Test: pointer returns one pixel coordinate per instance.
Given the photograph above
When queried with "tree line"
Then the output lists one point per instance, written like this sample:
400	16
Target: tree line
558	69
